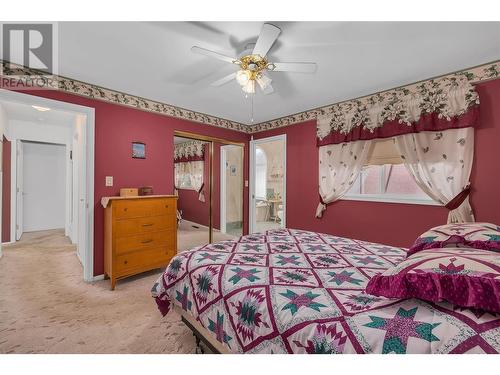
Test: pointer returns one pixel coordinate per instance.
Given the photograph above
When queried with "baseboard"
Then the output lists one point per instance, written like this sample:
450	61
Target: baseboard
97	278
8	243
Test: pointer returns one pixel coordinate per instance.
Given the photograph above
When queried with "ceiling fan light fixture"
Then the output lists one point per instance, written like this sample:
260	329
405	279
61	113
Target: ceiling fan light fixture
263	81
242	77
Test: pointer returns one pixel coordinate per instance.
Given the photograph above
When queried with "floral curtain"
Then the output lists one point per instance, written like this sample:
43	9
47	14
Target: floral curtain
441	163
189	166
339	166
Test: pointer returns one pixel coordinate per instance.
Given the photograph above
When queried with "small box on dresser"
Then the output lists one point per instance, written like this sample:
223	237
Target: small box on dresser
140	234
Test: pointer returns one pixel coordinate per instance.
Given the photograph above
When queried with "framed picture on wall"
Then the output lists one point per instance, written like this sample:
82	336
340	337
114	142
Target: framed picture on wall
138	150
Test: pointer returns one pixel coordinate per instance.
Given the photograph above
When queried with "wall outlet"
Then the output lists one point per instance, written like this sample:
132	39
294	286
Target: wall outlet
246	183
109	180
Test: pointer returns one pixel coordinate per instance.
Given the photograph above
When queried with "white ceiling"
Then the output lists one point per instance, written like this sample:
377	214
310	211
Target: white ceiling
153	60
24	112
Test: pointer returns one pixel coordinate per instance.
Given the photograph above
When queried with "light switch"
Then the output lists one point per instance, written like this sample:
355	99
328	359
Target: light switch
246	183
109	180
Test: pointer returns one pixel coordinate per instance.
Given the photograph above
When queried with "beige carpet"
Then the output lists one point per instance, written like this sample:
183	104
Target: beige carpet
46	307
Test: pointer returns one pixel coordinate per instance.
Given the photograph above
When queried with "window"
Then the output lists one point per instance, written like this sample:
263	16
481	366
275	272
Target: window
386	179
260	173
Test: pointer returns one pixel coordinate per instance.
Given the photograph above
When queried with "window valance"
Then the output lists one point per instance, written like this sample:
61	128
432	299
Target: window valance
189	151
434	105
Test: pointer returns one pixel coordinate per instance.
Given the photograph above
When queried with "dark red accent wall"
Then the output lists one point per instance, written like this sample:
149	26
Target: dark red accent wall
395	224
116	127
6	149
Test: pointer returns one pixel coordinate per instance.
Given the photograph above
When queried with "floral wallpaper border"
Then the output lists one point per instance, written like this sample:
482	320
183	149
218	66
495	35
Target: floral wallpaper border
477	74
30	77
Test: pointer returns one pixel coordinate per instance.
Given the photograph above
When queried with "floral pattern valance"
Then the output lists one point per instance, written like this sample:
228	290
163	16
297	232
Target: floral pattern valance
189	151
446	103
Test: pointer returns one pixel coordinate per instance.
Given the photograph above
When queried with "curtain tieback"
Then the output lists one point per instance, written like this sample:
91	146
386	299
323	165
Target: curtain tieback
459	199
322	201
201	188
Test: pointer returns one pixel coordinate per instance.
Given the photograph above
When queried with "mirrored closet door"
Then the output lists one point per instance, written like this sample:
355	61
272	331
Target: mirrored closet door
208	179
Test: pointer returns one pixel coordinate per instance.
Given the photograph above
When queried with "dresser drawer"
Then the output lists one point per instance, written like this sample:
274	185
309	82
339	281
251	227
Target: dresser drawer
144	241
127	227
130	208
141	260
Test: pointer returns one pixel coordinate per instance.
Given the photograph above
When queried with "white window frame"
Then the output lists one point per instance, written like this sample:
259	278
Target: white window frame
389	198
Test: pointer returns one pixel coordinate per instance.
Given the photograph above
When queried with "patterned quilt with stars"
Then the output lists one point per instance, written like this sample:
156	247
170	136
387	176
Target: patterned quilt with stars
293	291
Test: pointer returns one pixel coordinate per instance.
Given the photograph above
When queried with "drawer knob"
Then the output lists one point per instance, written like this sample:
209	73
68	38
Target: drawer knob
125	262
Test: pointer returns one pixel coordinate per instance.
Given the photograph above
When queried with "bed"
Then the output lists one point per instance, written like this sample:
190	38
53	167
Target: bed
294	291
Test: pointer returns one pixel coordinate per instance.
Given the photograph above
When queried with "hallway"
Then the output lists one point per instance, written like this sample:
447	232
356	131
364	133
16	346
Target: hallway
46	307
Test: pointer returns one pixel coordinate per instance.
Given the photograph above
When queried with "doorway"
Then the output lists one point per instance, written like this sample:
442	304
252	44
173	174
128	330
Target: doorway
267	184
36	129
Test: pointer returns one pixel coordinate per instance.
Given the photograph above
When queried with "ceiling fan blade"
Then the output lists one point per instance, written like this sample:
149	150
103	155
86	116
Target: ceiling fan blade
224	80
267	37
299	67
213	54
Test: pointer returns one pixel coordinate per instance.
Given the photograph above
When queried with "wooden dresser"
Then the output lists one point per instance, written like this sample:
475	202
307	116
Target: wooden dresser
140	234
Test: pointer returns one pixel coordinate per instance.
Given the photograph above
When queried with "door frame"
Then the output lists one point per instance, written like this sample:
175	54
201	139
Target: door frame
87	174
251	190
18	148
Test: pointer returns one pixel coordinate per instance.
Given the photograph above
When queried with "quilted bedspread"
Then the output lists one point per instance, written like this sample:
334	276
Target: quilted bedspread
293	291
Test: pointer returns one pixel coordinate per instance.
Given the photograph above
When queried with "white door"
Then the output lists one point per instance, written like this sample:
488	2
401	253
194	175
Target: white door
267	184
19	189
43	186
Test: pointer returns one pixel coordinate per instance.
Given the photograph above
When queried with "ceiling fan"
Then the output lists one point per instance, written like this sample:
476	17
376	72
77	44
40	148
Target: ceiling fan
254	64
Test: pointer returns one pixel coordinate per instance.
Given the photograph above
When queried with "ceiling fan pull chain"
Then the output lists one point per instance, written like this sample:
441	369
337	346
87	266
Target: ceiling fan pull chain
251	119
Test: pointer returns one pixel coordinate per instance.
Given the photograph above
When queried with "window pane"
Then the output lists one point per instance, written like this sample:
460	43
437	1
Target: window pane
370	183
400	181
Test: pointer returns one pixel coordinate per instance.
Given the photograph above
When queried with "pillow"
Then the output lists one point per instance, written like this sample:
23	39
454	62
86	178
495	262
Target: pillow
483	236
462	276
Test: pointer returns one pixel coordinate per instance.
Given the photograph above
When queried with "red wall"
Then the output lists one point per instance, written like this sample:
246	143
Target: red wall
395	224
116	127
6	149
